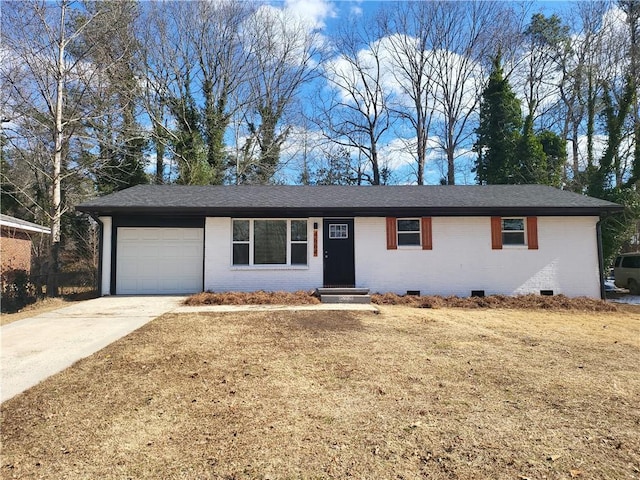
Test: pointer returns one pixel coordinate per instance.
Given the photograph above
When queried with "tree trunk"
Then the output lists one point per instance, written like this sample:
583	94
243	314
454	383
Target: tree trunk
591	119
56	194
374	161
422	146
158	141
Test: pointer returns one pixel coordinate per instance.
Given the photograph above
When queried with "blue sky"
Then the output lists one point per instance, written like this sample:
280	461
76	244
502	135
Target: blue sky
330	13
327	16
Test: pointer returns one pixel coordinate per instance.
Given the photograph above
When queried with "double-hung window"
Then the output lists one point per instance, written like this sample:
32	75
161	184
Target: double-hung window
408	232
241	242
513	232
269	242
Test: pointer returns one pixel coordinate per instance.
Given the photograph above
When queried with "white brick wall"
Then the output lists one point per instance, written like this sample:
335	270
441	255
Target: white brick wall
221	275
462	259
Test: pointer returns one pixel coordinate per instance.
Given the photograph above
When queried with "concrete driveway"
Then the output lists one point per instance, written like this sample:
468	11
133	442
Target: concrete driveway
37	347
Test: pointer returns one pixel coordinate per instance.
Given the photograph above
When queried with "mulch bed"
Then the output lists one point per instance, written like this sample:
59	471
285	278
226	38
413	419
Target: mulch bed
253	298
527	302
521	302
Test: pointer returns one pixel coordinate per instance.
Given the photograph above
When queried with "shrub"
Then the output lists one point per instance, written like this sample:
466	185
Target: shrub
17	290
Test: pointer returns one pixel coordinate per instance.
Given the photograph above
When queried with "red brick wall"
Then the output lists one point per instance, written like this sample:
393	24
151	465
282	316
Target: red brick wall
15	250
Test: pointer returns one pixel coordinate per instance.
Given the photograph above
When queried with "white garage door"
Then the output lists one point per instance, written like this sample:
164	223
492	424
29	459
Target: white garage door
159	260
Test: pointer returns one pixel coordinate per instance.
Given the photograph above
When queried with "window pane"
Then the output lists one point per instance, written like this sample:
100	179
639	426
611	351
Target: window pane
270	242
513	238
513	224
338	230
408	225
241	230
298	254
298	230
408	239
241	254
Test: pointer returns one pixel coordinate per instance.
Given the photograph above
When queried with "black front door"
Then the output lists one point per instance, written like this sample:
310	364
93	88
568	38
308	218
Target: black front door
339	265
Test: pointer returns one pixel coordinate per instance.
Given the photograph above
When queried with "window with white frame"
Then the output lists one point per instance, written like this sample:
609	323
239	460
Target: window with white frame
513	232
269	242
408	232
241	242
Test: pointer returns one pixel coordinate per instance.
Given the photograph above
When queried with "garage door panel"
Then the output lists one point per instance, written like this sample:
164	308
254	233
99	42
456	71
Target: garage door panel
159	260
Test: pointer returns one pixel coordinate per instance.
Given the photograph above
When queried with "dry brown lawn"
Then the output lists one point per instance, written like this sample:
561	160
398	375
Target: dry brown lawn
407	393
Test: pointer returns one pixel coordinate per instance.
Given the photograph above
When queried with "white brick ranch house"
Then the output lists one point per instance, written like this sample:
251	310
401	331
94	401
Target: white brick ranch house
437	240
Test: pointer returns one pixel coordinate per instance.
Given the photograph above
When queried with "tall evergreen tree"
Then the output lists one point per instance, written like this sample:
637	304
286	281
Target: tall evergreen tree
530	160
498	131
555	151
189	149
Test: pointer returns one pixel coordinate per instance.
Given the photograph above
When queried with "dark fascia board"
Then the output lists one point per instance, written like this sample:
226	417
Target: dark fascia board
293	212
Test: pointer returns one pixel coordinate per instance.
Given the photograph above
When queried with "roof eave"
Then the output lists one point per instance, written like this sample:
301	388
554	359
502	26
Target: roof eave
26	228
475	211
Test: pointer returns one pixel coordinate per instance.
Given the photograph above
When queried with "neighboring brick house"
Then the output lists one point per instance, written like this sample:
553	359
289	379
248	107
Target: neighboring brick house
445	240
16	242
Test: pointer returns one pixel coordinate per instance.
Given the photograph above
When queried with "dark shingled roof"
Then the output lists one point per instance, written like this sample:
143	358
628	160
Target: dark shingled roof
320	200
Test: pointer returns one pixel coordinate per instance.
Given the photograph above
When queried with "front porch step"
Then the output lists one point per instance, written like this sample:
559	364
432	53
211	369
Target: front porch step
344	295
345	299
342	291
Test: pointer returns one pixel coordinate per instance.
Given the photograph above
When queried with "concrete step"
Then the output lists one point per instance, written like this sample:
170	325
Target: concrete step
345	298
342	291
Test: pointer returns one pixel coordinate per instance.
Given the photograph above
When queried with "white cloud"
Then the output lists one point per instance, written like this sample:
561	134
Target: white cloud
443	68
398	153
301	142
312	12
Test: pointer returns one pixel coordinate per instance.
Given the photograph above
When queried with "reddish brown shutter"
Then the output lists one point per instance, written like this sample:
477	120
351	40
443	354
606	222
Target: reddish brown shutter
426	234
496	233
392	234
532	233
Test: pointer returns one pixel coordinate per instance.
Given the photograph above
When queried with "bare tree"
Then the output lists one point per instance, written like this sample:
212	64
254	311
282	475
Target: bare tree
47	78
408	27
436	54
283	54
357	114
195	66
578	89
114	126
631	9
464	35
546	39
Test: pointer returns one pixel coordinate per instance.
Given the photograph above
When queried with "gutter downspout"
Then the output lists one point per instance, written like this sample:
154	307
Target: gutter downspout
601	258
